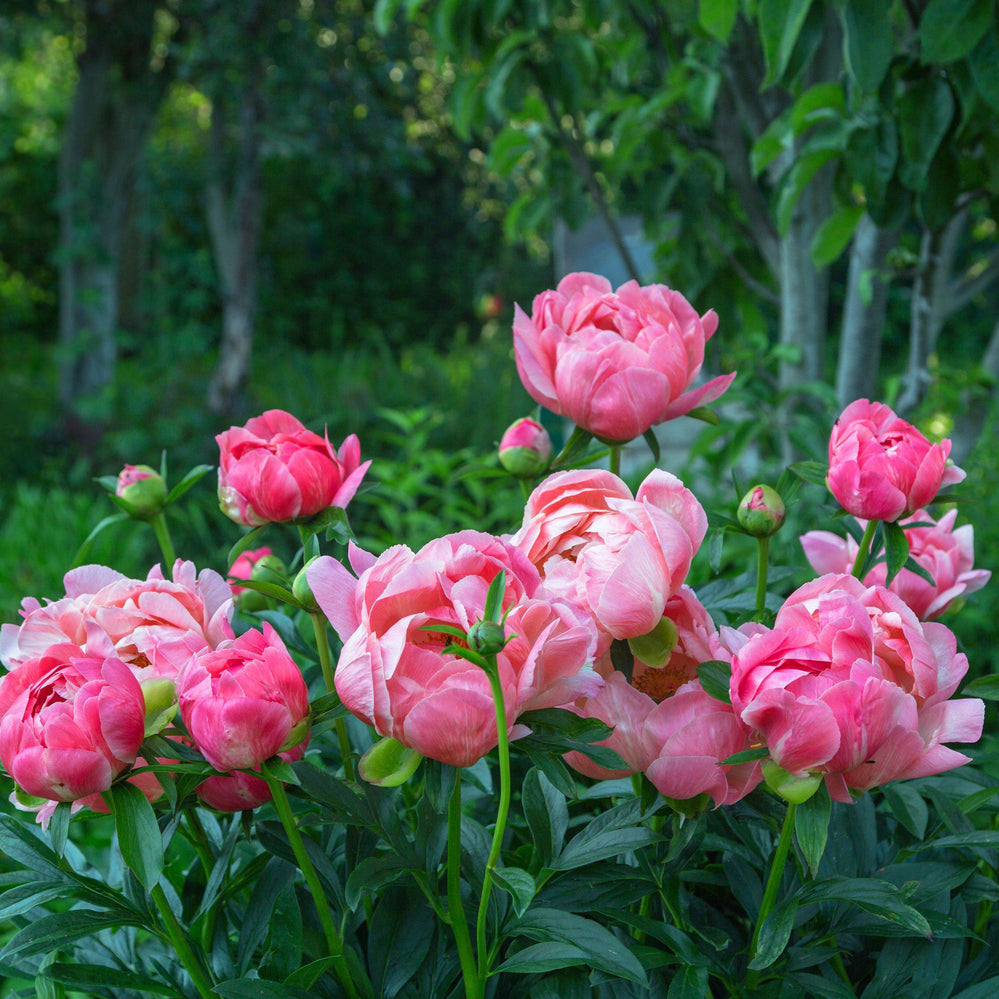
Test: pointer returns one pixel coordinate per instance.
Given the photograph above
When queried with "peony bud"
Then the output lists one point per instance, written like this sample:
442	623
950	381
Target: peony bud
486	637
388	763
795	790
656	646
302	591
142	488
761	512
525	449
160	696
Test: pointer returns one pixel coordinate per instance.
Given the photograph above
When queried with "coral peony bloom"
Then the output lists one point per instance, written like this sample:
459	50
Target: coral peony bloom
615	363
665	725
620	557
152	622
882	468
244	702
238	791
946	553
850	685
393	671
273	469
72	720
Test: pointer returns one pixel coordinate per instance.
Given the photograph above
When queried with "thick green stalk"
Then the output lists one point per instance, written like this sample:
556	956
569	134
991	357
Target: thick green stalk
615	459
503	810
865	547
178	938
776	871
333	940
762	564
456	912
326	662
162	532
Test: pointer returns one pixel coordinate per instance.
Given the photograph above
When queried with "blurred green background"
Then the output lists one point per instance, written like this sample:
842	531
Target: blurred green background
210	209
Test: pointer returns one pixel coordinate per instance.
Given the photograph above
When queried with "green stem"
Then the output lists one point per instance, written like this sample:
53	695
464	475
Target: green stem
865	548
840	969
615	459
181	945
326	662
333	941
196	834
159	525
762	564
456	912
502	811
776	870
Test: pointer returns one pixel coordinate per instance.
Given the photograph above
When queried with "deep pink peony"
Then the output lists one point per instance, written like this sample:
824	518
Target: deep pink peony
70	721
851	685
238	791
882	468
946	552
152	622
615	363
244	702
273	469
665	725
620	557
393	672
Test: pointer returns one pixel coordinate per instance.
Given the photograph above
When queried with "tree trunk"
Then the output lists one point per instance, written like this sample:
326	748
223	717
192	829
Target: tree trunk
863	314
978	404
113	106
234	222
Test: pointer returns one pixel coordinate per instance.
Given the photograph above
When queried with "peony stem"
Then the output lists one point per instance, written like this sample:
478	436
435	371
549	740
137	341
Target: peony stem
865	548
762	565
615	459
333	941
776	871
456	911
503	748
180	944
162	532
326	662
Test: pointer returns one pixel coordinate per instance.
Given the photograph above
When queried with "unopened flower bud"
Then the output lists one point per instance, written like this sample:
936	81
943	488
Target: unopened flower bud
795	790
160	696
655	647
143	488
486	637
525	448
302	590
388	763
761	511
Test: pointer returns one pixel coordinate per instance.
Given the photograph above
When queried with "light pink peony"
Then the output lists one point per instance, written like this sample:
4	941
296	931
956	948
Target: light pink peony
849	684
70	721
238	791
152	622
948	554
620	557
393	672
244	702
882	468
273	469
665	725
615	363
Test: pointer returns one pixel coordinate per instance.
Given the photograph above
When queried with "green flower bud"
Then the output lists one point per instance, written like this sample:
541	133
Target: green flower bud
302	590
388	763
160	696
142	488
486	637
525	449
761	511
655	647
795	790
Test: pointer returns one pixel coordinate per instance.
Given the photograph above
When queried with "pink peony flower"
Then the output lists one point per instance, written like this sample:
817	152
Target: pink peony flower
850	685
244	702
948	554
152	622
665	725
273	469
238	791
393	672
620	557
70	721
882	468
615	363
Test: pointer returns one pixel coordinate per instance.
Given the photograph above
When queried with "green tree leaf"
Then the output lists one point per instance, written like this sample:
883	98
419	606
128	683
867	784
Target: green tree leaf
950	29
833	236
